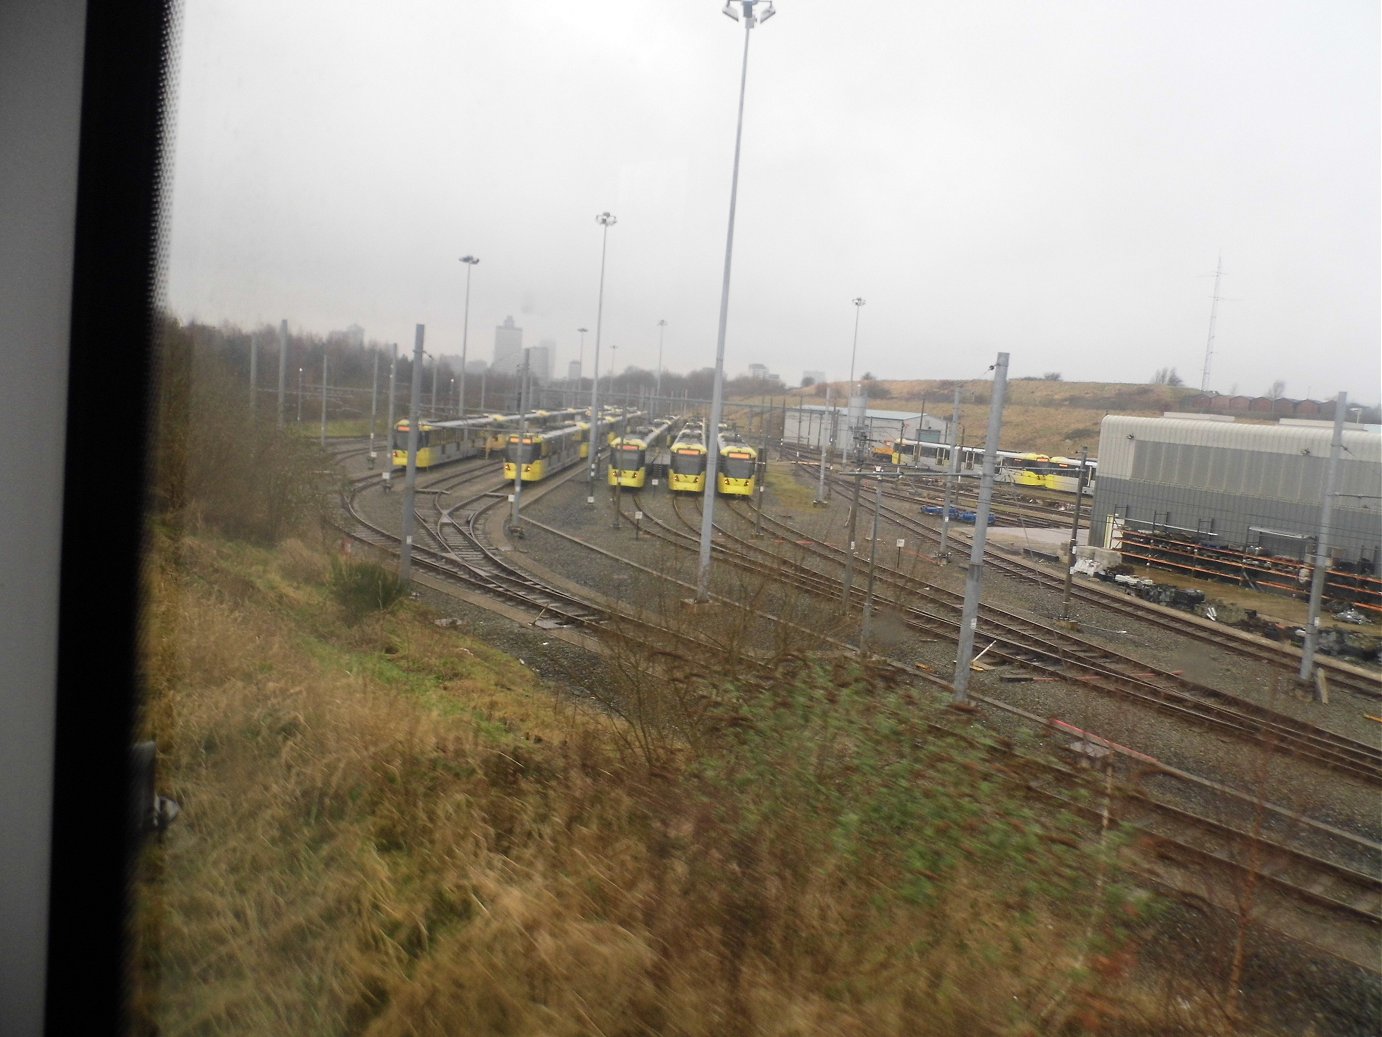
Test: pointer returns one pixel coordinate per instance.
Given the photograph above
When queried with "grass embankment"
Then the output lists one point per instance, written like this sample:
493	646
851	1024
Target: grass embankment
1048	417
389	829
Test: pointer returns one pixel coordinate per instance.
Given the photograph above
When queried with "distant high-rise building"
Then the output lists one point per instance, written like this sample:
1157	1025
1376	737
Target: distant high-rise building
573	371
508	348
542	358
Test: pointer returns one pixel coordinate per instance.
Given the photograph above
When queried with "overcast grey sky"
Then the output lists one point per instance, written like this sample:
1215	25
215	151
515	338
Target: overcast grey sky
1054	180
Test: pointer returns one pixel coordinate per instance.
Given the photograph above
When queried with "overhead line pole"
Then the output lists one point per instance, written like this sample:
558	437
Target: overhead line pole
405	558
969	616
1312	623
388	432
1074	537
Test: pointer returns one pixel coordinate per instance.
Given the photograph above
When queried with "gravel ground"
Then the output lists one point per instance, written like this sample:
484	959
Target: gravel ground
1313	991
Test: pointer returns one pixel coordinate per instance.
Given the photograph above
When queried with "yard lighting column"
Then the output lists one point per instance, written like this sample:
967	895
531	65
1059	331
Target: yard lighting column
750	18
849	402
605	220
469	262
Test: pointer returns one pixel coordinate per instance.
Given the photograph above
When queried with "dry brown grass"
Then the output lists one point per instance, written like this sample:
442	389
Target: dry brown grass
389	829
1056	418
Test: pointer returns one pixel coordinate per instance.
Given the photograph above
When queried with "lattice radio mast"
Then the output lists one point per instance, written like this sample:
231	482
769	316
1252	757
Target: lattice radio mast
1213	313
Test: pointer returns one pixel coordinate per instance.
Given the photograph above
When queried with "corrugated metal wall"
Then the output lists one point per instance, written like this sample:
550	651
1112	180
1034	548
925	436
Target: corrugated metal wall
1248	485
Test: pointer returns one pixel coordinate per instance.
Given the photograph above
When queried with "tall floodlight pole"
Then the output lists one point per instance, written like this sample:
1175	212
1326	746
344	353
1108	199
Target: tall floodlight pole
469	262
605	220
1312	623
299	396
858	302
969	615
405	558
254	369
657	392
717	396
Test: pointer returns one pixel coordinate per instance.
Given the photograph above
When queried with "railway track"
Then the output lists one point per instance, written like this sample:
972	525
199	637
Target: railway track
1309	866
1314	882
451	543
1109	602
1043	651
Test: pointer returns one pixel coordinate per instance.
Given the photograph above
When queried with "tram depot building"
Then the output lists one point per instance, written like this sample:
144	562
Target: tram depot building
1251	489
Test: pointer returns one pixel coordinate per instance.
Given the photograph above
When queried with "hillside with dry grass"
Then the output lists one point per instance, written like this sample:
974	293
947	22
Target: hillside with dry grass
389	828
1048	417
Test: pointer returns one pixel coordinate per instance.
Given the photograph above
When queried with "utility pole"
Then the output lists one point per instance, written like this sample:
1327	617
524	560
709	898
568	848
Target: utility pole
405	558
825	445
254	369
762	482
969	617
873	564
849	557
388	449
1312	623
523	403
373	405
943	552
1074	535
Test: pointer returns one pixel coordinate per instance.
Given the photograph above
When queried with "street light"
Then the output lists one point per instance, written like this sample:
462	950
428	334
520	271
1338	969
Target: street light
657	392
605	220
469	262
849	404
299	395
717	392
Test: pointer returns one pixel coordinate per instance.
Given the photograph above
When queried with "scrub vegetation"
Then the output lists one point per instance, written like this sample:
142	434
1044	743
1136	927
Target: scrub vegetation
389	828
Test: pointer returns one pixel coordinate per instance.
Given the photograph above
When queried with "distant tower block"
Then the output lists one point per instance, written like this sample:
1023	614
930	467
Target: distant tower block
508	347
